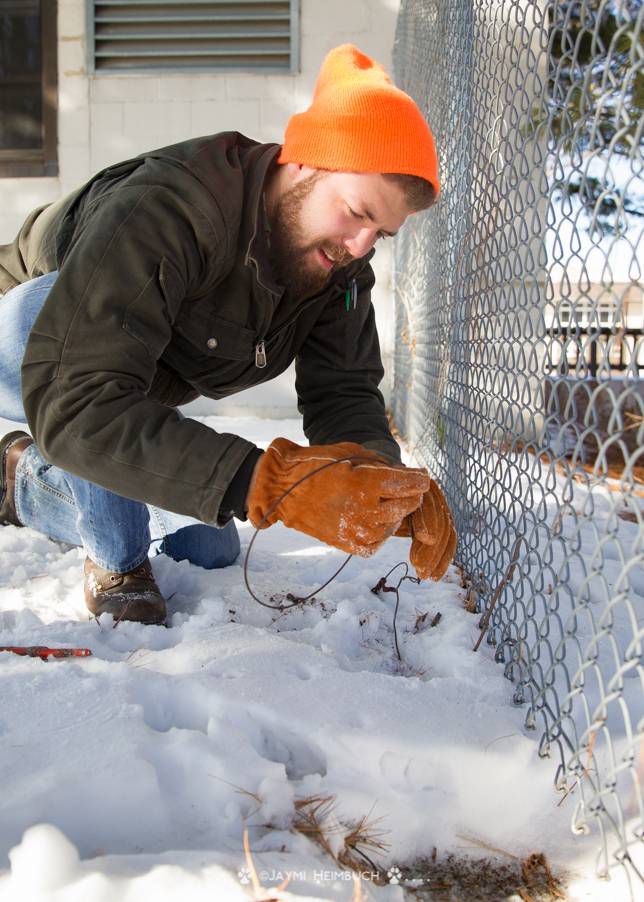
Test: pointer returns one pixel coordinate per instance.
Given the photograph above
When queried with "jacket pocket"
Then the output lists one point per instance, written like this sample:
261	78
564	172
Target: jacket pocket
149	317
214	336
172	286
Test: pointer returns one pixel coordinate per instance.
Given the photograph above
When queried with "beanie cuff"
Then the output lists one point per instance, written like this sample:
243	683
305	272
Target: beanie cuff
352	144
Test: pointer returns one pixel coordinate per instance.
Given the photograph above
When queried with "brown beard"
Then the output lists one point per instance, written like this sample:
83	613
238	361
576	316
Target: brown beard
290	259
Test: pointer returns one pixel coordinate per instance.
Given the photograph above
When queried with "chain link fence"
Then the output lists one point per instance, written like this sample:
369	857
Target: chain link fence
519	352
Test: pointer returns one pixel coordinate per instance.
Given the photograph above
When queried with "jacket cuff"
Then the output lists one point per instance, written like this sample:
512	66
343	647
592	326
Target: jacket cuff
233	503
388	448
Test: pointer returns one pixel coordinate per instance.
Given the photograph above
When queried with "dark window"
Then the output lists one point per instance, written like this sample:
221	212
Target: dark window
28	88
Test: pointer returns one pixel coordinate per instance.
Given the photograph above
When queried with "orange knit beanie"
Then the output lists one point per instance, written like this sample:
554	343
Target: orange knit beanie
360	122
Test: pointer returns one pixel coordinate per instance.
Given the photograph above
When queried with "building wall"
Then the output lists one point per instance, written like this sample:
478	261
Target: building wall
107	118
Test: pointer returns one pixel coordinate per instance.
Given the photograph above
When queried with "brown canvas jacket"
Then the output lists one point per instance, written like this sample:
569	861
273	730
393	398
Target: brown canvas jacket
165	293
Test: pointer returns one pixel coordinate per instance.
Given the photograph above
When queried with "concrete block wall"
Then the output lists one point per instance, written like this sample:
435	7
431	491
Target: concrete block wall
107	118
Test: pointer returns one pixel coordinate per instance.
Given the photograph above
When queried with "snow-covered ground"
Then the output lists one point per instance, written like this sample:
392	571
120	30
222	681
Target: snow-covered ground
133	773
581	250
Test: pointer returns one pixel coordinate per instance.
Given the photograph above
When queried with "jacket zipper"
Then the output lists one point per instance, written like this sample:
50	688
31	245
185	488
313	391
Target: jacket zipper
260	355
261	358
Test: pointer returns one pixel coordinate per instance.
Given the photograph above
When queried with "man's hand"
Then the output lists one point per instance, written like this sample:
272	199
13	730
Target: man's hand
433	535
354	505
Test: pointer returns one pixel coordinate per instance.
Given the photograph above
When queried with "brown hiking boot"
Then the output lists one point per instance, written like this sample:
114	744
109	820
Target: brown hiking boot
11	447
126	596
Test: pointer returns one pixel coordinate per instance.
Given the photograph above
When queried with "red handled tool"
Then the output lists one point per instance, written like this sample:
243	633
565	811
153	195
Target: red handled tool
43	652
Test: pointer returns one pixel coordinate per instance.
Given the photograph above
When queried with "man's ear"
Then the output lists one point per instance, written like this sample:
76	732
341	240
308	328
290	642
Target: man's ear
296	172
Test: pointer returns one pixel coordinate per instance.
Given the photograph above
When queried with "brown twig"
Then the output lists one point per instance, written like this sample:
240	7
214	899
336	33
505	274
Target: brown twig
484	845
258	889
637	420
313	812
506	579
585	771
534	868
499	738
242	791
358	895
251	865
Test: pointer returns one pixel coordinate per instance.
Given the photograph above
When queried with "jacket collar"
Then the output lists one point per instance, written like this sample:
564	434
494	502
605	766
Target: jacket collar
254	234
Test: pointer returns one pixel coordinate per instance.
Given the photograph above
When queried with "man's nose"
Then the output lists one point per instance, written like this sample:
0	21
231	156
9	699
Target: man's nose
362	242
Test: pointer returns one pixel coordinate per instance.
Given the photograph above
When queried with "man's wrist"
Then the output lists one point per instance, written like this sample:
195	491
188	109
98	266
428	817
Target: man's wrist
234	503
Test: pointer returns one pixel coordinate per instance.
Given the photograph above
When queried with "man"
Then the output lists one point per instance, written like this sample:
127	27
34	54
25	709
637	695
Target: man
202	269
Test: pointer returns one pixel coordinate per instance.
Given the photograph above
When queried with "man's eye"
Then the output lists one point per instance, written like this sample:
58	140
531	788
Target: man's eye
362	216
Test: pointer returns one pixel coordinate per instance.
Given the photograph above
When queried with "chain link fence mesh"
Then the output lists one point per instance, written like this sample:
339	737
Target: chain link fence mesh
519	352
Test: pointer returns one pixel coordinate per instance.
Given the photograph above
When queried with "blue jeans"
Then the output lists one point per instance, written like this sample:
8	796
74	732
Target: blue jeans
116	532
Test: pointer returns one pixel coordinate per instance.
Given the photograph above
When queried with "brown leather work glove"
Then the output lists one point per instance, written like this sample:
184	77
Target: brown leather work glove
433	535
354	505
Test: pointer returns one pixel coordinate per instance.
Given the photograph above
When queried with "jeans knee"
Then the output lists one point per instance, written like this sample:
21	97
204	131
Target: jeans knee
203	545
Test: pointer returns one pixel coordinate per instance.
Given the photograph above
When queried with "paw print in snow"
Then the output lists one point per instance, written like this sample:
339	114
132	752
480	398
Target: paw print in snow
244	875
394	875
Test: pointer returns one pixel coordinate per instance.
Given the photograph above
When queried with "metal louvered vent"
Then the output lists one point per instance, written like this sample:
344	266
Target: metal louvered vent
162	35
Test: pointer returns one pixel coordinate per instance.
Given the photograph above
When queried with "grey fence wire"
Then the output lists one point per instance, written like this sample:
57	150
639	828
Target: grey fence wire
519	352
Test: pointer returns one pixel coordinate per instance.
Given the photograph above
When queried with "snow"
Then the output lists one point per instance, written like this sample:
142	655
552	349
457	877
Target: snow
576	256
133	773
